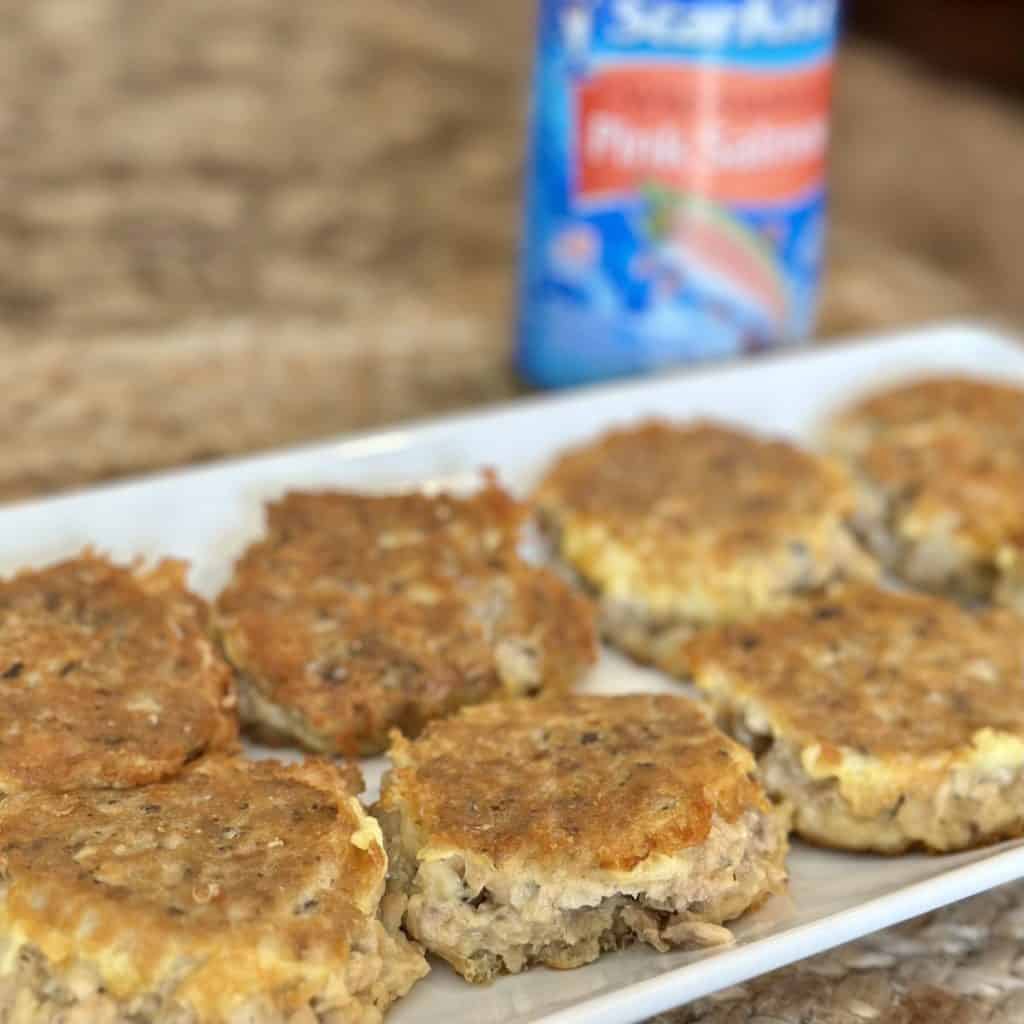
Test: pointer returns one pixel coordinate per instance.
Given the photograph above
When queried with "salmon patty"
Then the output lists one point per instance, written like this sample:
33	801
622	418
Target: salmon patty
549	831
108	677
357	614
889	720
940	463
680	526
239	891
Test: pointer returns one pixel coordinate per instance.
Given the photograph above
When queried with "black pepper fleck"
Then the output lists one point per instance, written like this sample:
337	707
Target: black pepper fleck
481	897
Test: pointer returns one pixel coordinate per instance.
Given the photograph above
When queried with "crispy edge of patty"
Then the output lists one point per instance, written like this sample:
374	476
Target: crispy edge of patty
968	806
487	921
164	580
936	560
381	964
740	572
519	666
492	897
932	554
37	991
530	663
656	638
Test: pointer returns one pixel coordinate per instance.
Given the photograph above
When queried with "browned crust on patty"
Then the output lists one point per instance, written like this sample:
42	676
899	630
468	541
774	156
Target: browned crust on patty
690	523
941	462
228	835
889	720
875	671
574	782
357	614
236	883
107	676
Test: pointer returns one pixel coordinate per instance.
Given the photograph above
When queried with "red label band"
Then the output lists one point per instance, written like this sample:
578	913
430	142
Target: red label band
745	137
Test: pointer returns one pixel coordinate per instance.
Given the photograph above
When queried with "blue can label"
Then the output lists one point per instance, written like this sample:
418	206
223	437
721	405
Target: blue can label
675	198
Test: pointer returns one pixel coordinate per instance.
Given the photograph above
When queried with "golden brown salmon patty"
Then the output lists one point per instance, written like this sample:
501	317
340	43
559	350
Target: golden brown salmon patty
549	831
239	891
889	720
357	614
678	526
107	677
941	463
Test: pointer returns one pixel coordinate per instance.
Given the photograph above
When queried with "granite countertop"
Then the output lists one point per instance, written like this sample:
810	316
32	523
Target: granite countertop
299	219
225	226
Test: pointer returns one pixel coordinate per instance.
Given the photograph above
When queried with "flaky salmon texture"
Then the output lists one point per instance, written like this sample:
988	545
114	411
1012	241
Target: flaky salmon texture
940	468
890	720
549	831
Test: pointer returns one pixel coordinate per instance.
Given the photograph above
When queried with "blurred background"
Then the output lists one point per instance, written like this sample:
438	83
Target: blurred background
230	225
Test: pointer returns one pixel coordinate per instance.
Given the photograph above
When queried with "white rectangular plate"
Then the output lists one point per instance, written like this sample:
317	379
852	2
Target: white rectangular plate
207	515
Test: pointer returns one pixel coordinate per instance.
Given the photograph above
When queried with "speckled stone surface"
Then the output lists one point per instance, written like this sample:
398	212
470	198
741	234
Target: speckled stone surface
230	225
170	160
179	159
227	226
960	965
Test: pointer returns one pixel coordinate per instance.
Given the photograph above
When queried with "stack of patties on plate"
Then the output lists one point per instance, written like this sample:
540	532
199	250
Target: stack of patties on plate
888	720
147	872
581	824
678	526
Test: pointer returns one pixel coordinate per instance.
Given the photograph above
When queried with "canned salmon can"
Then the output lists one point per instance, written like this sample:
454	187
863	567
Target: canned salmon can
676	197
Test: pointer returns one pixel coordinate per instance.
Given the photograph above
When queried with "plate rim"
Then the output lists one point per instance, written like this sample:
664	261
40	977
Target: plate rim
958	332
1005	864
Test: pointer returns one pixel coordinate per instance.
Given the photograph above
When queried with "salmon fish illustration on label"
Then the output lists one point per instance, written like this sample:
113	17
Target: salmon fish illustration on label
676	187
